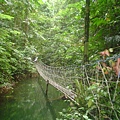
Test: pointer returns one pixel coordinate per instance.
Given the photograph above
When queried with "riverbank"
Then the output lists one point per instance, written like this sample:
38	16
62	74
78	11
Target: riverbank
9	86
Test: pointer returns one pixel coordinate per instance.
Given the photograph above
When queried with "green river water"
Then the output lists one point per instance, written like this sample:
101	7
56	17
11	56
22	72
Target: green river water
28	102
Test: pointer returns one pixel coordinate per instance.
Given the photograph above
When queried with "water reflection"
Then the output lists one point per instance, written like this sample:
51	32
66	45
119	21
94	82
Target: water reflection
29	102
48	104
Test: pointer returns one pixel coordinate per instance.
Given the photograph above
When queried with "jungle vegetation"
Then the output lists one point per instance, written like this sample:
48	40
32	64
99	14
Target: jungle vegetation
54	31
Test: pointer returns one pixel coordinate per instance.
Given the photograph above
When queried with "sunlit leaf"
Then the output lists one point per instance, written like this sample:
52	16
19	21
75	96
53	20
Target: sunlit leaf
4	16
89	103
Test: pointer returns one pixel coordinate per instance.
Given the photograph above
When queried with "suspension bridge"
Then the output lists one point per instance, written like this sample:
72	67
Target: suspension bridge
94	87
59	77
65	78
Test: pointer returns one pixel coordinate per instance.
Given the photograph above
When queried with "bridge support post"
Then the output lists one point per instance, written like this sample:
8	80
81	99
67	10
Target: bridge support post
47	87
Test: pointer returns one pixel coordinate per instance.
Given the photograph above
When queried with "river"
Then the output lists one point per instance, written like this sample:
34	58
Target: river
29	102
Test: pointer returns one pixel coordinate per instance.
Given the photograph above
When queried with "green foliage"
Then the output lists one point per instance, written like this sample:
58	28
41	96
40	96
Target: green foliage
3	16
15	50
54	31
94	103
104	24
62	31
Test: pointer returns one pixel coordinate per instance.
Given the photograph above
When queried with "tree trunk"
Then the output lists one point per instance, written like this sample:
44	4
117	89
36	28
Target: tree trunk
87	14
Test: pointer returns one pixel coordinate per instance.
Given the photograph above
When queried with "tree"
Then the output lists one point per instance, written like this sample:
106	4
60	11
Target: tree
15	47
87	14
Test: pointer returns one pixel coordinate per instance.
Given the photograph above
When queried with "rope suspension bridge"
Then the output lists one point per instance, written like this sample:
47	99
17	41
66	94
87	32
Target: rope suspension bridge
74	81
